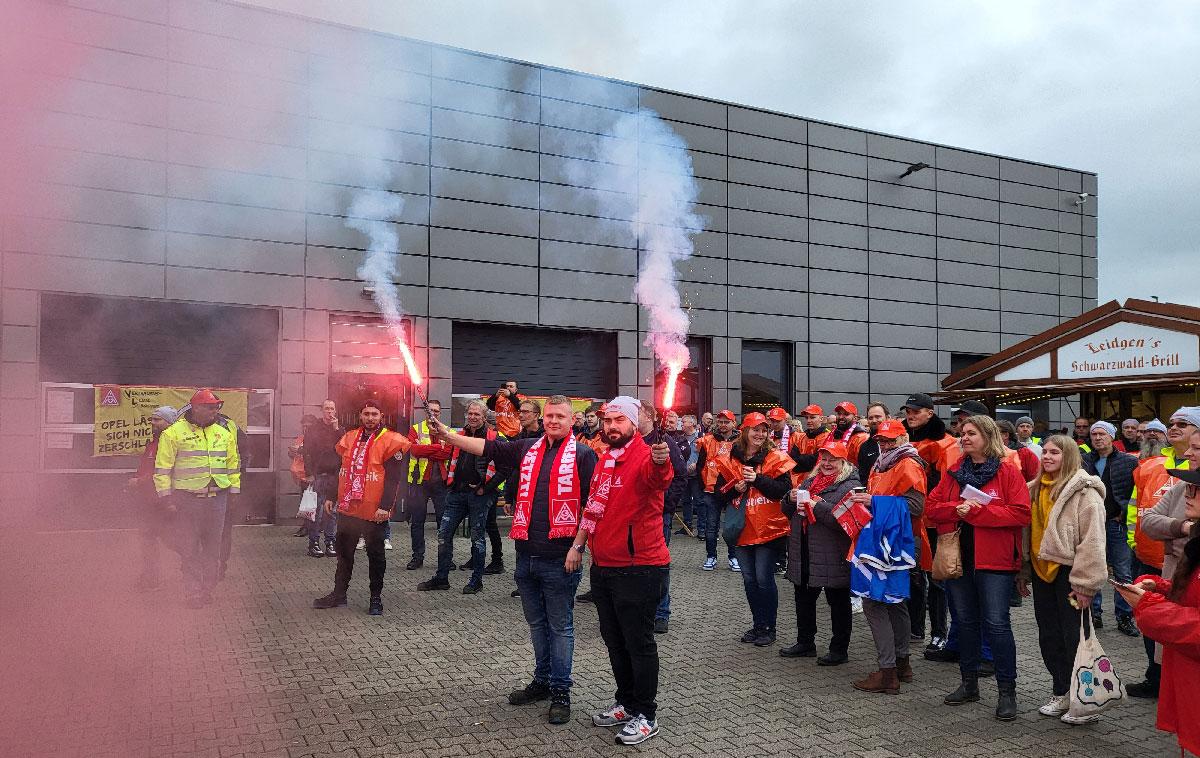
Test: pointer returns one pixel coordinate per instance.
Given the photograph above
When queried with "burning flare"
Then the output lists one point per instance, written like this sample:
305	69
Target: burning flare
668	400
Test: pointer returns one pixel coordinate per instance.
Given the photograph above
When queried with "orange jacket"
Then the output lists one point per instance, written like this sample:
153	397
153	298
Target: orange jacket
713	450
805	445
899	479
765	520
388	445
1152	482
507	422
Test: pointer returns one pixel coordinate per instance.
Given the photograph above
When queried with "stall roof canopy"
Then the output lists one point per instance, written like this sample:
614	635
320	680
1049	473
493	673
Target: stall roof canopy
1138	345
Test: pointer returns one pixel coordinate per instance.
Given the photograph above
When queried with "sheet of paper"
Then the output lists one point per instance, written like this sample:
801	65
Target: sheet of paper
60	407
57	441
970	493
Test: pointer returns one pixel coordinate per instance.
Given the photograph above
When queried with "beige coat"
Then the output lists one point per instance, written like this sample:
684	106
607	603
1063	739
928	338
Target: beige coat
1074	534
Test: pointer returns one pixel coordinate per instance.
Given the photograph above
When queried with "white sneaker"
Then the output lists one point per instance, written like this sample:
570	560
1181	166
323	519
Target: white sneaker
387	544
614	716
710	564
734	565
1067	718
1056	706
361	544
638	730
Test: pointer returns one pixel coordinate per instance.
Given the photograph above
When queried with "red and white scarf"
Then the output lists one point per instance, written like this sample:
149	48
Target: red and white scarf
849	434
601	488
356	476
564	490
784	436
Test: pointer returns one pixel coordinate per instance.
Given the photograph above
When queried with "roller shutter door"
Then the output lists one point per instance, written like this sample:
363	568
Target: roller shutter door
543	361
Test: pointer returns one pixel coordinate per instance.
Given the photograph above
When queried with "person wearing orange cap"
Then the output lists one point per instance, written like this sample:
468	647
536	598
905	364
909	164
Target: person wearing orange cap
753	480
806	445
898	472
817	549
712	448
781	432
847	431
198	466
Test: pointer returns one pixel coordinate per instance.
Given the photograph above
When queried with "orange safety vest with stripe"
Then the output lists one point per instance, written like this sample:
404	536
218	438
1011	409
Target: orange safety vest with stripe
1150	482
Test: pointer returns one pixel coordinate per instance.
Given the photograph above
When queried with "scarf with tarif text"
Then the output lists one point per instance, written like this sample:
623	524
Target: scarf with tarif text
564	490
357	475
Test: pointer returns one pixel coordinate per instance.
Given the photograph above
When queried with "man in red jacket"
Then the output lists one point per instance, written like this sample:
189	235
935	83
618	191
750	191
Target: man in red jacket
630	564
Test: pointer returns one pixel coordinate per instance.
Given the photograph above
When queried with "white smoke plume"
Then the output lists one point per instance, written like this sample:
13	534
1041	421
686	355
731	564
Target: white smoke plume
649	161
371	213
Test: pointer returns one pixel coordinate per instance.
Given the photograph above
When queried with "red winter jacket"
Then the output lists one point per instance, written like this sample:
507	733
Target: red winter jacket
631	531
1175	626
997	525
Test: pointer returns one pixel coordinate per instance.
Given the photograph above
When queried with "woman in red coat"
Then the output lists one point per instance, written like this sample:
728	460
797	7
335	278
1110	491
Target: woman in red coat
1168	611
990	526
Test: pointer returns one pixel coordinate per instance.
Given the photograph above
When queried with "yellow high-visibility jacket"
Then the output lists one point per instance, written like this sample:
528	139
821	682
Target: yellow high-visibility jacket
191	458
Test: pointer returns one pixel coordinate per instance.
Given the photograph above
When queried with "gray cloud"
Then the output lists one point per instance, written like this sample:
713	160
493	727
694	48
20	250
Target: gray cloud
1107	87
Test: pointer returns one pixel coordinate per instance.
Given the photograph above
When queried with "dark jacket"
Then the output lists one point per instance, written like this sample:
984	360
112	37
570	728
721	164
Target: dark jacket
512	477
320	440
680	452
1117	479
867	453
931	431
817	552
470	471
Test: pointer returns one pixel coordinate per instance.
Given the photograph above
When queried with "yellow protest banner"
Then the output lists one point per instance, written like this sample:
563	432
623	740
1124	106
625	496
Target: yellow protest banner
123	414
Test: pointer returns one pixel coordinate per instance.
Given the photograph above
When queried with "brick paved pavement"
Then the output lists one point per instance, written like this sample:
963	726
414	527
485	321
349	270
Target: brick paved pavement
93	669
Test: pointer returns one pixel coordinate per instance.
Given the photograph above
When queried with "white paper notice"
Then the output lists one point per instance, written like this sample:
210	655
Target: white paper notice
60	407
970	493
57	441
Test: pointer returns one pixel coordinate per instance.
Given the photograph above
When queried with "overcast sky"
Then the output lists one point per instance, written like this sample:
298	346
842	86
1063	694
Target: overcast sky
1108	87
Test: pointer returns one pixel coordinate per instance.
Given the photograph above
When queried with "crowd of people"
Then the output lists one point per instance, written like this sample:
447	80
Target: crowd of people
855	507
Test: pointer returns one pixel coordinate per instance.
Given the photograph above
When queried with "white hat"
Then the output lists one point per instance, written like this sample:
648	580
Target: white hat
1105	427
629	407
1188	413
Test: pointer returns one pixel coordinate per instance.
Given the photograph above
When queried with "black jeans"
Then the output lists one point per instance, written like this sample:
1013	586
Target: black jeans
1153	670
1058	627
840	616
350	529
626	599
493	530
416	510
937	604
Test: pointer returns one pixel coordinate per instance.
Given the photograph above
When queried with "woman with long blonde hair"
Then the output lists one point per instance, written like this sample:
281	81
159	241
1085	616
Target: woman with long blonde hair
1064	560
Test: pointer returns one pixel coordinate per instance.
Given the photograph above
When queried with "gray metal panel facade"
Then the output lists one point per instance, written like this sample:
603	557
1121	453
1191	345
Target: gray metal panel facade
812	236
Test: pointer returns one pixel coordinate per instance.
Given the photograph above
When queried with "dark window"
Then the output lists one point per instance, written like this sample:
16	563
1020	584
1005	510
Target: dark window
693	389
766	375
366	365
959	361
542	361
108	340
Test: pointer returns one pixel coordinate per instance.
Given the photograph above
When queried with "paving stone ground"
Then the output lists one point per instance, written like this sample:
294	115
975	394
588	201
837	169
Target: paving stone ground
91	669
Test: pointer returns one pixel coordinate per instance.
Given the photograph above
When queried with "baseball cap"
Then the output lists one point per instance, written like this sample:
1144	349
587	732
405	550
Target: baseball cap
918	400
812	410
727	414
846	406
835	448
972	408
777	414
1191	476
751	420
890	429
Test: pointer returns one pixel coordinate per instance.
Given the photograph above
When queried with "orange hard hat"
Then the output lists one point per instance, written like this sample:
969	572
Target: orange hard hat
751	420
205	397
813	410
846	406
777	414
835	448
890	429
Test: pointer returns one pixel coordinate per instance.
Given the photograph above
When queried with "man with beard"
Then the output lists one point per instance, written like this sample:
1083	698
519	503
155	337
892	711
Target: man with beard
869	450
847	431
370	477
939	450
630	564
554	477
590	435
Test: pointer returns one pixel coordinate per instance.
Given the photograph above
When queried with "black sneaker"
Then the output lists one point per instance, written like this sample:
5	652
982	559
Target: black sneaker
533	692
765	637
434	584
560	706
474	587
332	600
1146	689
1097	621
833	659
799	650
1126	626
681	531
585	597
660	626
751	635
314	550
415	563
941	655
376	607
495	567
515	593
467	566
330	550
